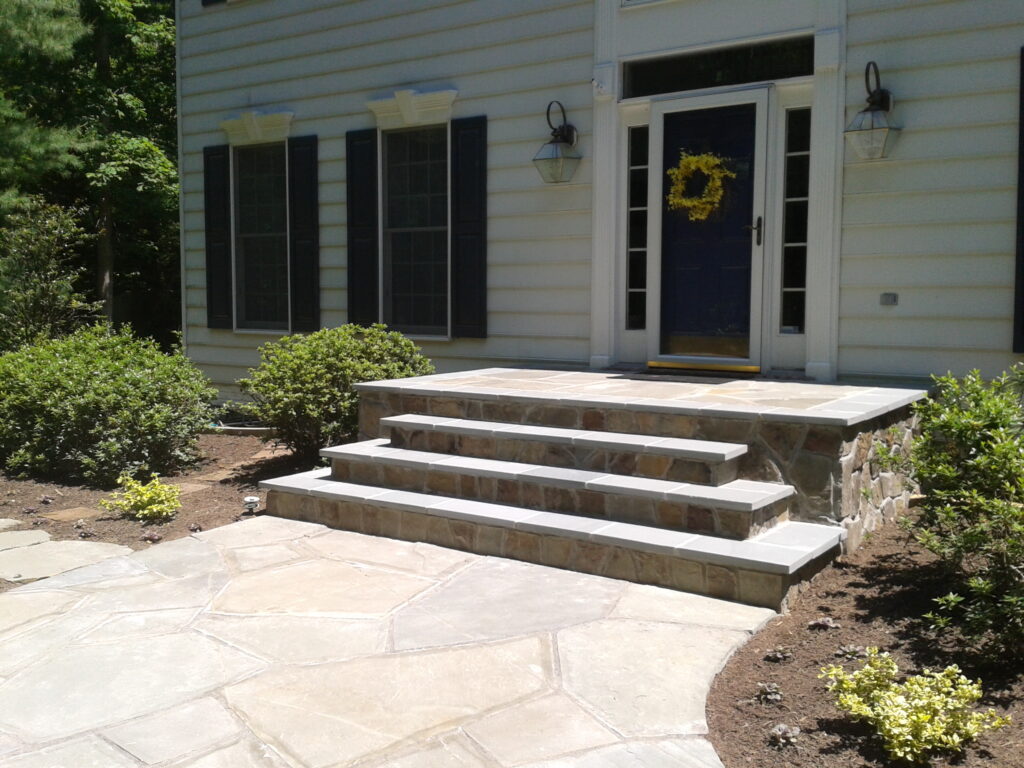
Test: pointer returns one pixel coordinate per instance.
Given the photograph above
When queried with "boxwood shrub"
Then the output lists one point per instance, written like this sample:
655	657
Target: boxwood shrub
304	385
97	404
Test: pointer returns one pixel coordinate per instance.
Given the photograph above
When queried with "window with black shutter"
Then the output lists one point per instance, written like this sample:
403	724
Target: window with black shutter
262	236
417	255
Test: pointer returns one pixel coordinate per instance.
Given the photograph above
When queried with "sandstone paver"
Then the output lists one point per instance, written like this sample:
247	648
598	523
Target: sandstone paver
501	598
297	639
53	557
645	678
419	558
555	724
254	558
18	608
14	539
88	753
92	686
320	587
6	523
192	727
333	714
639	601
272	643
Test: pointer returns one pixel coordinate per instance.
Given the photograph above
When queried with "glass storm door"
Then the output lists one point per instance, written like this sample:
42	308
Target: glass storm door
711	241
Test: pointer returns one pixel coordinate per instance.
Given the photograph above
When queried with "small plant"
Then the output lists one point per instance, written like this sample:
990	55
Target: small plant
779	655
851	652
925	714
823	623
783	735
152	502
304	385
768	693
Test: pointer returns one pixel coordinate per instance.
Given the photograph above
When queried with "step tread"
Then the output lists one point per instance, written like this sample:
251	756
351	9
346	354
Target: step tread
740	495
783	550
683	448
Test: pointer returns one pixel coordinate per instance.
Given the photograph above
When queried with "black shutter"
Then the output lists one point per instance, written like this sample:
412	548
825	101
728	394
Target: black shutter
363	252
217	208
304	233
469	227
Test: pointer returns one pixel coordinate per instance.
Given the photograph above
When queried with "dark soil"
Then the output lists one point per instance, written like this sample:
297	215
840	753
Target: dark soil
876	595
212	494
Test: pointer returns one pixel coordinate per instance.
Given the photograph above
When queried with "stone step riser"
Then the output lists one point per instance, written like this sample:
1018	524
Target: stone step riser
619	462
727	582
621	507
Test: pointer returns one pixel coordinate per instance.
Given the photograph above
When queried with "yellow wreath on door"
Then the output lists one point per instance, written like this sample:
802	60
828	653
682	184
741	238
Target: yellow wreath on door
699	207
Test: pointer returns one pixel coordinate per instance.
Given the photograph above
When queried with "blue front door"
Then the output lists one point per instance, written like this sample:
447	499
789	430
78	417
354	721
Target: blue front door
706	244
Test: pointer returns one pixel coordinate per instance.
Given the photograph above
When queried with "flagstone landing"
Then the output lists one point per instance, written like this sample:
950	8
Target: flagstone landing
277	643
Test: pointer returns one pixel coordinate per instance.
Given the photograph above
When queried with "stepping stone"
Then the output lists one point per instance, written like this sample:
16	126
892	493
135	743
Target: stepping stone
20	607
52	557
74	514
88	753
16	539
7	523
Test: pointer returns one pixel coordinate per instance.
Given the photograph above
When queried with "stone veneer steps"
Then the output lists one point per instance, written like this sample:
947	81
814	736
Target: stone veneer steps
759	571
738	509
734	489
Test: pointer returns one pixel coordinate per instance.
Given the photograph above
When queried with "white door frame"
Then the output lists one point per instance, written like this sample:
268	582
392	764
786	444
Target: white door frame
757	95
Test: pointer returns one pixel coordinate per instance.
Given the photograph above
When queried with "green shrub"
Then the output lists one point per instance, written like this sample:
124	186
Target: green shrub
925	714
304	385
39	297
152	502
969	460
97	404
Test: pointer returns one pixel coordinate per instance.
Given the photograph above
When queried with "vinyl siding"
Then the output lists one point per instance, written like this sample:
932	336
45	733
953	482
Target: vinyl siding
323	60
935	221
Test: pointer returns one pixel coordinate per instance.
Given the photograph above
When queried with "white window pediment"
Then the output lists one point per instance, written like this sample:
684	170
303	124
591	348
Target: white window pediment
258	127
408	108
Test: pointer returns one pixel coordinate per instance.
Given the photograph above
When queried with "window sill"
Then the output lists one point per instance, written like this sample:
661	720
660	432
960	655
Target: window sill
262	332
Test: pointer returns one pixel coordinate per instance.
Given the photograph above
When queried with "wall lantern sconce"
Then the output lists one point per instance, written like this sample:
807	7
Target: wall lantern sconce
871	133
557	160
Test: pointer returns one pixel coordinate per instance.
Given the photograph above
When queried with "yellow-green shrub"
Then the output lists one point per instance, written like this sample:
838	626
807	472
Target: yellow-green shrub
151	502
926	713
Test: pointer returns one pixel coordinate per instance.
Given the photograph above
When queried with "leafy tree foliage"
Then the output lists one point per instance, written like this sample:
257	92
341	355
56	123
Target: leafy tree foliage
39	296
90	87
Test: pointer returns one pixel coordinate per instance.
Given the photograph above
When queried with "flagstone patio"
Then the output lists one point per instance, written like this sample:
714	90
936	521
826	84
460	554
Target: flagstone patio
275	643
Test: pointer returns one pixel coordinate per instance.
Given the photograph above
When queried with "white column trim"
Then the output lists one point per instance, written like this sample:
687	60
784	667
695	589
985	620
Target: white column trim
604	200
825	207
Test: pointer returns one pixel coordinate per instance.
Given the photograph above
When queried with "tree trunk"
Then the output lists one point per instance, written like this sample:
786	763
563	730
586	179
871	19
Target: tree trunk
105	257
105	235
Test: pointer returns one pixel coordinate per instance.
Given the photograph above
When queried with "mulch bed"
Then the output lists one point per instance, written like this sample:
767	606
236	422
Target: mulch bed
876	595
212	494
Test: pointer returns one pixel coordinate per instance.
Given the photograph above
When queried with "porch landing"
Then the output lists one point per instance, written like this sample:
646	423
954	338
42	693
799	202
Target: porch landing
738	489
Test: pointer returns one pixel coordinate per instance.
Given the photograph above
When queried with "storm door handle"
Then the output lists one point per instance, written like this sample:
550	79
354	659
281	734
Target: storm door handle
757	227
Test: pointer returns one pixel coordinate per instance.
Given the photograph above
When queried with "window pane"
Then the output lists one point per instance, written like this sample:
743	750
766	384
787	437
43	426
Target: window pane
795	228
794	267
638	188
797	175
793	312
776	60
261	237
636	311
637	270
638	145
416	230
638	229
798	130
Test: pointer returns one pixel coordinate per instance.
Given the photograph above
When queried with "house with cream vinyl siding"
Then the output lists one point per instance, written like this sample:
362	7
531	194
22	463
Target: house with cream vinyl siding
357	161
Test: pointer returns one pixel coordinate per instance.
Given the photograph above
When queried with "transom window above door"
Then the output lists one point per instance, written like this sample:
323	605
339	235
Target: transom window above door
720	67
